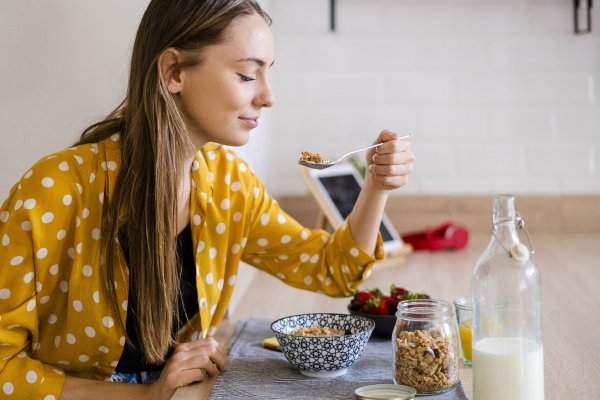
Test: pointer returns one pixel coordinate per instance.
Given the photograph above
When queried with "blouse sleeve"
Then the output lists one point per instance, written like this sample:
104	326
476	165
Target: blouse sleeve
310	259
21	376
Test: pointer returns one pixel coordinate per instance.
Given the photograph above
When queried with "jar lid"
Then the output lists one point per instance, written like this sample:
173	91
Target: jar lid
385	392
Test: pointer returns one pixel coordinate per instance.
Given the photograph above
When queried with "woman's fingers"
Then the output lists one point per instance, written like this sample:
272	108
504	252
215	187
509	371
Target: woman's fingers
391	170
202	353
386	136
393	147
396	159
190	362
198	361
391	163
399	158
174	379
190	376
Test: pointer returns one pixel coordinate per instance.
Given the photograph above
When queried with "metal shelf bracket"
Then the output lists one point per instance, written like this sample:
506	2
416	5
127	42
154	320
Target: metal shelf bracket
576	12
332	15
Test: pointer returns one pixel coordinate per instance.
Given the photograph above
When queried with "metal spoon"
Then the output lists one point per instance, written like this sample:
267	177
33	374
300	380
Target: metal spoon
329	163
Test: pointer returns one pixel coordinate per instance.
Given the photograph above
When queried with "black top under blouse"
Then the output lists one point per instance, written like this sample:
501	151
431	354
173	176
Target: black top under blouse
132	359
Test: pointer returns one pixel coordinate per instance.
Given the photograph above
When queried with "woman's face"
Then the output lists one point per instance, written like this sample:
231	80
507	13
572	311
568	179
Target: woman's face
221	98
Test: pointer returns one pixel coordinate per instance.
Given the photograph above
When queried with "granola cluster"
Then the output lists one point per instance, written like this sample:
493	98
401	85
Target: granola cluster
317	330
313	157
426	360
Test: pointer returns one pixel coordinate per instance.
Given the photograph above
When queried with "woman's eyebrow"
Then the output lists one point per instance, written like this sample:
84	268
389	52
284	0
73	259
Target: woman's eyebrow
258	61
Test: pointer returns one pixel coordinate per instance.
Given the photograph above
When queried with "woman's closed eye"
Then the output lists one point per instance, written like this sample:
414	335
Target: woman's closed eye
246	78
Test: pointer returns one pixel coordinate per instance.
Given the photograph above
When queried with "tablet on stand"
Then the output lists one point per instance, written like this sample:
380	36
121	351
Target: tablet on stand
336	190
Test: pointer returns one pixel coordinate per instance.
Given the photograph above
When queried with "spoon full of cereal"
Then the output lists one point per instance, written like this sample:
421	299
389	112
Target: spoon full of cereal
317	161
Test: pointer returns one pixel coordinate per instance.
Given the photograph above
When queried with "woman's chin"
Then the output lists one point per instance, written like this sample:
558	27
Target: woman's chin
237	141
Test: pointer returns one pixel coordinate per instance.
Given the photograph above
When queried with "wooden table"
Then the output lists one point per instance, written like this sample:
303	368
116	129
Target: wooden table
570	268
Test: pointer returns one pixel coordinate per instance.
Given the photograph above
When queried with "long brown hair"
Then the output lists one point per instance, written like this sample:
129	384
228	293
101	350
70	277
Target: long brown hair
154	138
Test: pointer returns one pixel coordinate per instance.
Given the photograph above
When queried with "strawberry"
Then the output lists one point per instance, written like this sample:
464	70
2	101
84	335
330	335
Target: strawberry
373	301
398	292
392	304
360	298
375	306
412	296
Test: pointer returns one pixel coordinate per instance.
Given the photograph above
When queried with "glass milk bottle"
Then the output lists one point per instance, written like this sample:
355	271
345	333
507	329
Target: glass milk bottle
508	361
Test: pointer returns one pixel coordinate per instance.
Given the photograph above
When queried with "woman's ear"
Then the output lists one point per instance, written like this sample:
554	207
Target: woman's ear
170	73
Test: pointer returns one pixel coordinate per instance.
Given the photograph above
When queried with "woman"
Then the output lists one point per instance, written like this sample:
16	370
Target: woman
119	255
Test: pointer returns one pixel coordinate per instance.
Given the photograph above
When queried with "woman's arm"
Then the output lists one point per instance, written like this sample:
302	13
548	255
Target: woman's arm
190	362
78	388
388	168
334	264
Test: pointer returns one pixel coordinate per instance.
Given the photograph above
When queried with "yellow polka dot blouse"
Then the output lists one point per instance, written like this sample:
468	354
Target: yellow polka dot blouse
54	318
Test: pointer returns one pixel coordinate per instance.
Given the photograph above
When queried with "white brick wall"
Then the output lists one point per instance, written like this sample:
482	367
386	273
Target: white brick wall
59	74
500	94
63	66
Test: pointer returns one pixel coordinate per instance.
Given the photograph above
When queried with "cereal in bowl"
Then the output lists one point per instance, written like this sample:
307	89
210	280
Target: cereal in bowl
318	330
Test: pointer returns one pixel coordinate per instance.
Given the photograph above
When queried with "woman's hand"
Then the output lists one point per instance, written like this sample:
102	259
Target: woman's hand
389	165
388	168
190	362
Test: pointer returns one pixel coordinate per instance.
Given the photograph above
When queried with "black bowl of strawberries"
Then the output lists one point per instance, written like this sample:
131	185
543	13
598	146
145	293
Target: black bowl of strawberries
381	308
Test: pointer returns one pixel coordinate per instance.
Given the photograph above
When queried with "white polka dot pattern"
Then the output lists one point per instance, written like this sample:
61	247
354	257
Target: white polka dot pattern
16	260
50	230
31	376
108	322
8	388
45	205
48	182
225	204
87	270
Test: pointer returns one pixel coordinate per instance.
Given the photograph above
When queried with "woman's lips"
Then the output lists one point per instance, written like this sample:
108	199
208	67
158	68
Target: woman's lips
251	122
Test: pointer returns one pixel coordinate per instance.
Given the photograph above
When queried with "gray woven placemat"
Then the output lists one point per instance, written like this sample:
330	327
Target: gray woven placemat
256	372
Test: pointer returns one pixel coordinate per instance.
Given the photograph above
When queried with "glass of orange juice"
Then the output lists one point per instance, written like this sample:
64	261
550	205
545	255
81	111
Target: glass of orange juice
464	314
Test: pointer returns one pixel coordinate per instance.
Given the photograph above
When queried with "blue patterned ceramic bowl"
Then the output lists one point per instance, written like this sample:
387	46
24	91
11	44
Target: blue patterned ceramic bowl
323	356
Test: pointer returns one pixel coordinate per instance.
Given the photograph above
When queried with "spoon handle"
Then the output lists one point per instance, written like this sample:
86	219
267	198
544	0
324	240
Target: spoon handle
370	147
363	149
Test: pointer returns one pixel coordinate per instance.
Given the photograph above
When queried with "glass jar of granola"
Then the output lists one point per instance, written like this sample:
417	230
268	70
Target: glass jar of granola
425	341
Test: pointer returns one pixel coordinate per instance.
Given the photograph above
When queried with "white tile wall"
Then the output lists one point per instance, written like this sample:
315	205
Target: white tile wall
500	94
63	66
59	75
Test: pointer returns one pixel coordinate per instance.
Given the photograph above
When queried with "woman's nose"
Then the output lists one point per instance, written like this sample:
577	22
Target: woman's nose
265	97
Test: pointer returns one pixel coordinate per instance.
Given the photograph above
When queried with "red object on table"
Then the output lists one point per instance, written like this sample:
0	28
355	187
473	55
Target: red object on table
448	236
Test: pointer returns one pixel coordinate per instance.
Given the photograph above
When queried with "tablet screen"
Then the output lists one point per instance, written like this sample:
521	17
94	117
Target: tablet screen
343	191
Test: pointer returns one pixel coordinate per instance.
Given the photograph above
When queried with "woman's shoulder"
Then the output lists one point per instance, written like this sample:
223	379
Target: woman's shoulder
60	161
69	159
72	166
